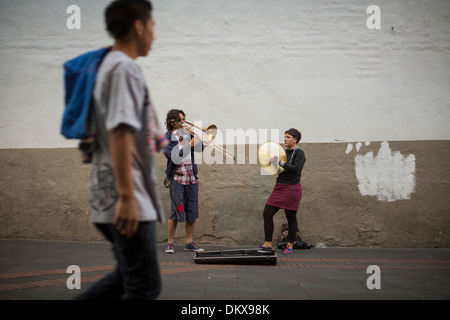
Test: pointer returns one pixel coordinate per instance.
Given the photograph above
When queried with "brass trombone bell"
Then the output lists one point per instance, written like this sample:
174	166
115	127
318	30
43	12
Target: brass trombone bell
267	154
210	132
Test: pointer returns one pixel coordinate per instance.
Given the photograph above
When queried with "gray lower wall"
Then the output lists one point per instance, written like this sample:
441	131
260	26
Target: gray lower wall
43	195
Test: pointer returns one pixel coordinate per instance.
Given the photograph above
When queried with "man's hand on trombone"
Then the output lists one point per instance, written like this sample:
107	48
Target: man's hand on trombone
195	140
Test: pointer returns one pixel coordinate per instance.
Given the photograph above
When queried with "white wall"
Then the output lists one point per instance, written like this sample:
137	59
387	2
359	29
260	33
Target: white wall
259	64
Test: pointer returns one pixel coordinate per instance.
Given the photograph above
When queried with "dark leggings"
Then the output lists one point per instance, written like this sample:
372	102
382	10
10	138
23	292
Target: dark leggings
291	216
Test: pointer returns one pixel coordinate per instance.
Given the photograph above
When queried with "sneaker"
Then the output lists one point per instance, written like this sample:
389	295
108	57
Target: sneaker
263	249
192	247
169	248
288	251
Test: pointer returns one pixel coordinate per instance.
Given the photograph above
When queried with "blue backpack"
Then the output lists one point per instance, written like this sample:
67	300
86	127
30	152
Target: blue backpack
79	81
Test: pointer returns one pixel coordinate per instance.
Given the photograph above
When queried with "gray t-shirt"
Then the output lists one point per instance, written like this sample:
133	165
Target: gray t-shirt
121	97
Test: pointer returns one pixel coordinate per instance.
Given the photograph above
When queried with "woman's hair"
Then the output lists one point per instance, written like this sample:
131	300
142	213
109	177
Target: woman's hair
120	16
173	115
297	135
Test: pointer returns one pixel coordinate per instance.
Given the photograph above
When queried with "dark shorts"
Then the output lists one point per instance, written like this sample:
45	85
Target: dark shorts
184	202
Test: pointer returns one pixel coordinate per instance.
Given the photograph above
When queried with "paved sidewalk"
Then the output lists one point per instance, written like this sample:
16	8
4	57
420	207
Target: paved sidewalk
37	270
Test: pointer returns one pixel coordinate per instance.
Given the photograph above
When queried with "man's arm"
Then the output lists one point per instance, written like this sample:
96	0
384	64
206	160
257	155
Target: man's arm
126	214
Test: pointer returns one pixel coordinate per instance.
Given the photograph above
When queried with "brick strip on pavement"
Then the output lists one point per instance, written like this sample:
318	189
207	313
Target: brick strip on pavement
177	267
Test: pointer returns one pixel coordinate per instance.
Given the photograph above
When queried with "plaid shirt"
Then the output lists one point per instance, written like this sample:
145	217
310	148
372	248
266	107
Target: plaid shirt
184	174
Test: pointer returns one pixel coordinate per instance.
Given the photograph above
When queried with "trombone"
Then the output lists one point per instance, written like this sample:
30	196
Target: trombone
210	134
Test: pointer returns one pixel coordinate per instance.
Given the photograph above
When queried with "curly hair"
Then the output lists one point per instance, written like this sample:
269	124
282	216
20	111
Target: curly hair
173	115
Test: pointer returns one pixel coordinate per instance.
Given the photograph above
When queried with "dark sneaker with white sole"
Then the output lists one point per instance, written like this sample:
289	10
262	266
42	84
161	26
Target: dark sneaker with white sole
192	247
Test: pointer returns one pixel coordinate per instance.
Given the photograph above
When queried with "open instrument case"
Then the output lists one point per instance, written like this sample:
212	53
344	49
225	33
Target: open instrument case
237	256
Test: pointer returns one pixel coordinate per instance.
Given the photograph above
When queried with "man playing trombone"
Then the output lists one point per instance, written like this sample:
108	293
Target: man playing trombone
181	178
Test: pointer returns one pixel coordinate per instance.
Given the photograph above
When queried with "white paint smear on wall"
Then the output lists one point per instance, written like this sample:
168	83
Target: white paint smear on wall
389	175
